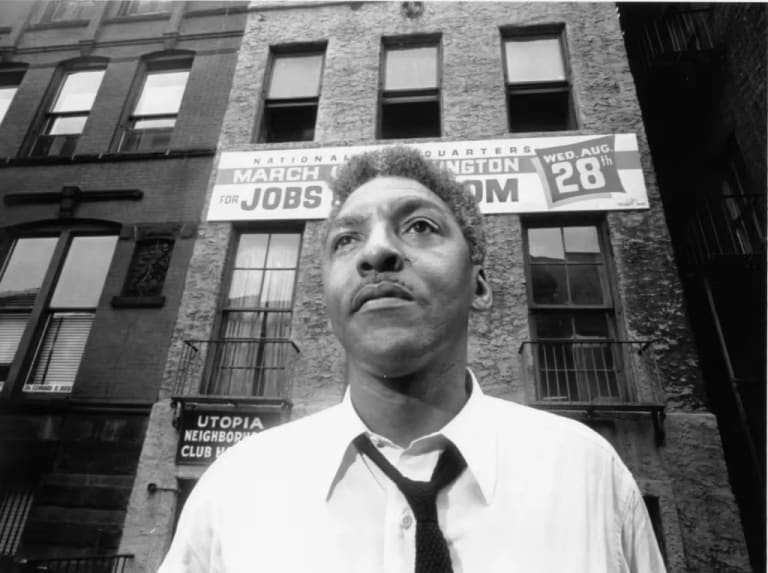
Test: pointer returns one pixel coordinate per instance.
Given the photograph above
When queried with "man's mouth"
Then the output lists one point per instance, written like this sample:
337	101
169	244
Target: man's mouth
378	291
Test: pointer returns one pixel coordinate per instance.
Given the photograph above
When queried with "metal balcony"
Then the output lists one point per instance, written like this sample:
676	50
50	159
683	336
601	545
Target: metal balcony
592	375
588	370
102	564
727	228
237	367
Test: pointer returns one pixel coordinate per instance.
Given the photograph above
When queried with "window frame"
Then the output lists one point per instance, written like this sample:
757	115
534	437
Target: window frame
167	62
22	366
125	9
46	115
417	95
283	51
223	310
49	9
610	309
545	32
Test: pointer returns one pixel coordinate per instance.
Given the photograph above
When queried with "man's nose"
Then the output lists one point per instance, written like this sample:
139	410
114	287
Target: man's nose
380	254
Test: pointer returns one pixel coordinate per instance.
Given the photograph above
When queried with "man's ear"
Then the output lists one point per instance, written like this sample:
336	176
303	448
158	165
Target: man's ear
483	297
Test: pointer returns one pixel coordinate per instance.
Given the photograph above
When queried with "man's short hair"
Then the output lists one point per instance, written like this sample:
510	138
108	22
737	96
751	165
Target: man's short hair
402	161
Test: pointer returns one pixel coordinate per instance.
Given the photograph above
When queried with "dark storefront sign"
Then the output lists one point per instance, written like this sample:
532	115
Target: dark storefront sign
206	434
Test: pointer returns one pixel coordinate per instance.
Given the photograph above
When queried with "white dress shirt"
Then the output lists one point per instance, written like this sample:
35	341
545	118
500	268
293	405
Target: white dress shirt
541	493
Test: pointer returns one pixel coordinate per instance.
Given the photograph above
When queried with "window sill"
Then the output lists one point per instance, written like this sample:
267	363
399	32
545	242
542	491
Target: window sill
138	301
62	24
106	157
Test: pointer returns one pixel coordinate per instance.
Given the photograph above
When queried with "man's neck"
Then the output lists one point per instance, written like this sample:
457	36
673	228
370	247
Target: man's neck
406	408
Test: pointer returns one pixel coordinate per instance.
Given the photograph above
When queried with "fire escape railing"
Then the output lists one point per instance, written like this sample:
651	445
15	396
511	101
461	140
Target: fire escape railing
727	226
676	33
594	374
237	367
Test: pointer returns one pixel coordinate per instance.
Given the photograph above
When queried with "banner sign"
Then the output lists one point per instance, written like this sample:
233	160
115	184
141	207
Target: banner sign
543	174
205	435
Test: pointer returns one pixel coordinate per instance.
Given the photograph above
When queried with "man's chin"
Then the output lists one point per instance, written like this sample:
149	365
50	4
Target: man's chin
390	357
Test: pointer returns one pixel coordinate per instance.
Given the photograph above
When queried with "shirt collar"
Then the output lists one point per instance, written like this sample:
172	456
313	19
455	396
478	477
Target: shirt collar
469	430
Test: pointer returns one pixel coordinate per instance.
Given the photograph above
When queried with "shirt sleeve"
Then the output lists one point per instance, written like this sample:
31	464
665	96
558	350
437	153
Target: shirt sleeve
639	545
194	547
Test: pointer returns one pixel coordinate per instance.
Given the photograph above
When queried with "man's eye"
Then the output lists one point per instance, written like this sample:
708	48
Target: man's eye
342	241
421	227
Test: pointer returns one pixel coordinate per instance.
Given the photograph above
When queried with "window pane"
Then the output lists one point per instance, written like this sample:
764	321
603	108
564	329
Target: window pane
278	289
72	10
68	125
581	241
245	288
586	287
244	325
545	244
553	326
58	359
540	111
295	77
84	271
6	96
162	93
537	60
252	251
411	69
21	279
283	251
78	92
549	284
11	330
591	325
145	7
155	123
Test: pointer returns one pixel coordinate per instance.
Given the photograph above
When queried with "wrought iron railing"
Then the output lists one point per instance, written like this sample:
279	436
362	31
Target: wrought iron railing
677	32
257	367
727	226
594	370
101	564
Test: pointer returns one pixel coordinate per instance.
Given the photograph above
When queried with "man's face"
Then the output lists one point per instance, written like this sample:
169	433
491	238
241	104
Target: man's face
398	279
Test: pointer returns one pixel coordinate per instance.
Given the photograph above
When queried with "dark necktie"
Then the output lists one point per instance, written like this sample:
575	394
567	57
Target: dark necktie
432	555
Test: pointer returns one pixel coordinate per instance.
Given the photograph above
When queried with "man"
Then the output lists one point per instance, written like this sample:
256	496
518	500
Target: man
416	469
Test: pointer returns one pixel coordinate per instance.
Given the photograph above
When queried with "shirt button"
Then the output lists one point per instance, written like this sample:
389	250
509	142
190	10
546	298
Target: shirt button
407	521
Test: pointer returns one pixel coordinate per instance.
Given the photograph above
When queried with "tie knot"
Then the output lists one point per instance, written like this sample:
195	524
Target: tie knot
421	495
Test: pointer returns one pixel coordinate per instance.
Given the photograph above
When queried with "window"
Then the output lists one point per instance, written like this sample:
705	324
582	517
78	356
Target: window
20	282
576	354
257	312
58	279
538	89
9	85
150	125
136	7
65	120
293	93
410	91
67	11
15	503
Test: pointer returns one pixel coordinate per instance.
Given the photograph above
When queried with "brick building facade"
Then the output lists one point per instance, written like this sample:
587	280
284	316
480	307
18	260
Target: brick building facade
344	63
110	117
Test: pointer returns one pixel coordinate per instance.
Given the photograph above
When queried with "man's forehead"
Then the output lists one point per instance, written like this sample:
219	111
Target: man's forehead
385	192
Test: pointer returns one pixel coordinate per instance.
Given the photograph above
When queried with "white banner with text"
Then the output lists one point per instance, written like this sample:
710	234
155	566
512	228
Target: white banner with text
532	175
